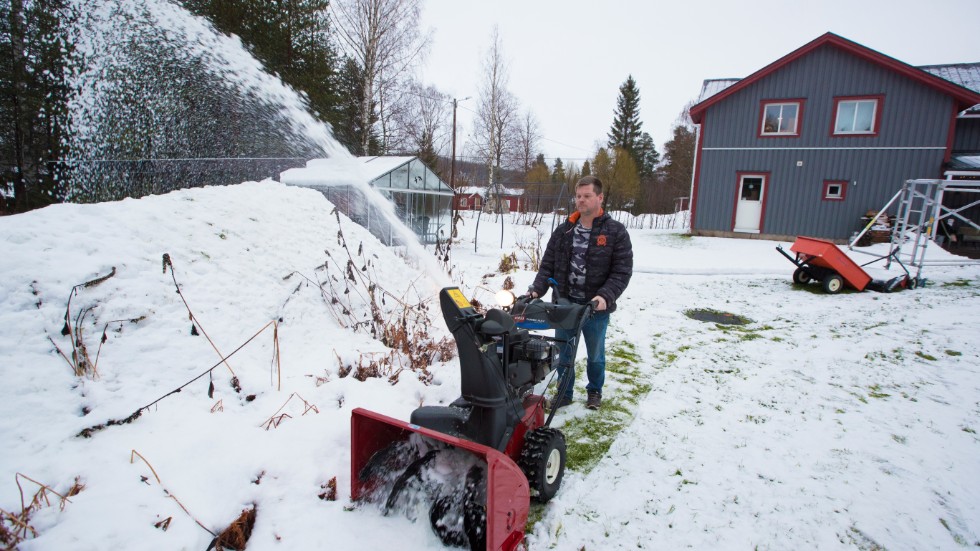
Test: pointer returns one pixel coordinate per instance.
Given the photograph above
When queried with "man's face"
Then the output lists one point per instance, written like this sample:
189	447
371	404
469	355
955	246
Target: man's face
586	200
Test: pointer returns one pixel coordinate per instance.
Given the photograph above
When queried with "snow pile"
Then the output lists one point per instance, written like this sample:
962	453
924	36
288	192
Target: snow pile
244	256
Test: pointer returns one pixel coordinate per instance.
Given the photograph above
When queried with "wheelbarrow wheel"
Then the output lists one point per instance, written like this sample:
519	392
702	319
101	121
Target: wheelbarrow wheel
801	276
833	284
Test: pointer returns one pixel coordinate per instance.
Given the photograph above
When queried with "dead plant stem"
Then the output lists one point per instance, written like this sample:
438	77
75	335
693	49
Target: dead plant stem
167	492
196	322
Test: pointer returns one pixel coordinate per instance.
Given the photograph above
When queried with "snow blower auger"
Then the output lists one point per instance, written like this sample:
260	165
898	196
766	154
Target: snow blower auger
472	467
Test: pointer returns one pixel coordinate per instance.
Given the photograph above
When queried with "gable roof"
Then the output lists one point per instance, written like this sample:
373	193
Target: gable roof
346	171
966	75
714	85
964	96
377	166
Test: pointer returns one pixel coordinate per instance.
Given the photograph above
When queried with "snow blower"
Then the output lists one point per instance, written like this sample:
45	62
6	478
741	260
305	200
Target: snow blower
472	467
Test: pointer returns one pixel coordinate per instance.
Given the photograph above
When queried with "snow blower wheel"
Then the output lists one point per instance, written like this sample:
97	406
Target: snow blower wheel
543	462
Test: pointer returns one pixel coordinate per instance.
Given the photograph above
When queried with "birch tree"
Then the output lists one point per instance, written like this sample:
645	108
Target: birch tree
424	123
384	38
528	137
497	111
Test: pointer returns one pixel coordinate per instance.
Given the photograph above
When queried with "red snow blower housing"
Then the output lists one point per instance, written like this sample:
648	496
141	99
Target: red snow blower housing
472	466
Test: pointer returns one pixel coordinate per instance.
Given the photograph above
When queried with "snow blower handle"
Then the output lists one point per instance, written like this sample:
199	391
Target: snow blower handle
554	289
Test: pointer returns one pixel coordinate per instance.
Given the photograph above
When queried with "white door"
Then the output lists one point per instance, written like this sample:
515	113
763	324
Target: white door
748	210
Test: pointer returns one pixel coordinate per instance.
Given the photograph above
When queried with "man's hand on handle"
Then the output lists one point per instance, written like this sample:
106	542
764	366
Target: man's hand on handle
600	303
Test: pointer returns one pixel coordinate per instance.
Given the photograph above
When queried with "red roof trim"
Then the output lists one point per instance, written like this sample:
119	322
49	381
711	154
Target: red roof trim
964	97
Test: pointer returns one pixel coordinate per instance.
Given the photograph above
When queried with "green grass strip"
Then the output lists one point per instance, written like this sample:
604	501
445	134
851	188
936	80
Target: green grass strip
589	435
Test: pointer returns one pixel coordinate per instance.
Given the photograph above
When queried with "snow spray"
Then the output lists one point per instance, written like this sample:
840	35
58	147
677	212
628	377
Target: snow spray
102	34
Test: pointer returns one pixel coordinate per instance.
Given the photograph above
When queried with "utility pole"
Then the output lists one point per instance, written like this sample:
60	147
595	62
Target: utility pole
452	164
452	170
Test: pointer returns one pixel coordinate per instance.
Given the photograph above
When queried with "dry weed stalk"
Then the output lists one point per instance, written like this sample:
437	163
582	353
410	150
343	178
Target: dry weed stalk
236	535
163	524
20	528
132	459
79	361
195	323
275	354
87	433
532	250
276	418
403	328
508	263
329	492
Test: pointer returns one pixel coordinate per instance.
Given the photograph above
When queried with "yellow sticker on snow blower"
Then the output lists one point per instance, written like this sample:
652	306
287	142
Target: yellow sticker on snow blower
459	299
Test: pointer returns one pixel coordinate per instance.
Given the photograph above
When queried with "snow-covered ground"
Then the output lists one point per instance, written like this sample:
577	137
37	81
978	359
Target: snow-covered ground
829	422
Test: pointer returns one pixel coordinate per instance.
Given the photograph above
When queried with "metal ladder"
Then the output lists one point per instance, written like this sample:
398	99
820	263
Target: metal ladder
915	219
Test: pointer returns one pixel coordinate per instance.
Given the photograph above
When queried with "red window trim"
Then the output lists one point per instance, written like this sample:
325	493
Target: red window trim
879	108
843	190
762	117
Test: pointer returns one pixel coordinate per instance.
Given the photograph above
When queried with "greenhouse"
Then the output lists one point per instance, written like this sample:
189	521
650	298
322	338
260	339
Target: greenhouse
421	200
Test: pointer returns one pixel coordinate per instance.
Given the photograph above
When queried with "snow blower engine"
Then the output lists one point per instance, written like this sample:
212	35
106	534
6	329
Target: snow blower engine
472	467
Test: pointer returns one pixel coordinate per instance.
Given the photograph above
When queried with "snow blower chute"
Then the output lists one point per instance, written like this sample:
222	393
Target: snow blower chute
472	467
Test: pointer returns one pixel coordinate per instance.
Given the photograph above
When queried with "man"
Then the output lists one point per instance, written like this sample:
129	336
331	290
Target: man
591	258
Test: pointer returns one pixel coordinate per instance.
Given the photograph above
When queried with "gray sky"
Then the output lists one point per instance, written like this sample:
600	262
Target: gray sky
568	58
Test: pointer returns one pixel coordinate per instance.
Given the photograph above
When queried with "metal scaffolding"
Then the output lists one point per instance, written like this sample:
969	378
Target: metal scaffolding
919	214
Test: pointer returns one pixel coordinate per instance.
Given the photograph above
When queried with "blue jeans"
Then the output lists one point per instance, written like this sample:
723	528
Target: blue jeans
594	334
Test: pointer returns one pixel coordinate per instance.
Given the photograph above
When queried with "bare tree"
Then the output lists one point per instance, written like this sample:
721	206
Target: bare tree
383	37
528	137
424	122
497	111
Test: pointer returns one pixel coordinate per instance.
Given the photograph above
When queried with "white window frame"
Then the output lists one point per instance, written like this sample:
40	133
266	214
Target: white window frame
853	122
781	104
842	190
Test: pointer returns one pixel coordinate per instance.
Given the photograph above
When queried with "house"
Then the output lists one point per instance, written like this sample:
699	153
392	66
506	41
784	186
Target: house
474	198
811	142
422	201
469	198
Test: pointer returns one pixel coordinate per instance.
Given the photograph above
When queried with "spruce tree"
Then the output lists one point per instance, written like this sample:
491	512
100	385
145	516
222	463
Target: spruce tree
647	157
626	129
291	39
558	175
426	152
348	109
34	55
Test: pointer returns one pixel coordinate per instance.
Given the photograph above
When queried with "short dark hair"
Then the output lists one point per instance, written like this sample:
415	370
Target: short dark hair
596	184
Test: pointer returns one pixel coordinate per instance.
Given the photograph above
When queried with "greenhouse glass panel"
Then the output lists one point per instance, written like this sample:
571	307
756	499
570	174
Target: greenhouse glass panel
399	177
418	175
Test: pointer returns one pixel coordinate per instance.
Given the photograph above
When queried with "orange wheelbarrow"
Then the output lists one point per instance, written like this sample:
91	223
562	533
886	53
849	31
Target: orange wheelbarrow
823	261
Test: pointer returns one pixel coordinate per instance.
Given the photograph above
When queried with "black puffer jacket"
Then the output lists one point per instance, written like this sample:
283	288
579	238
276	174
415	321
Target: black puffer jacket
608	261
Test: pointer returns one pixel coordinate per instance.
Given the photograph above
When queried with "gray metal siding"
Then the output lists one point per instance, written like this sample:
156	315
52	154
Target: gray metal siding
967	135
914	118
912	114
794	202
